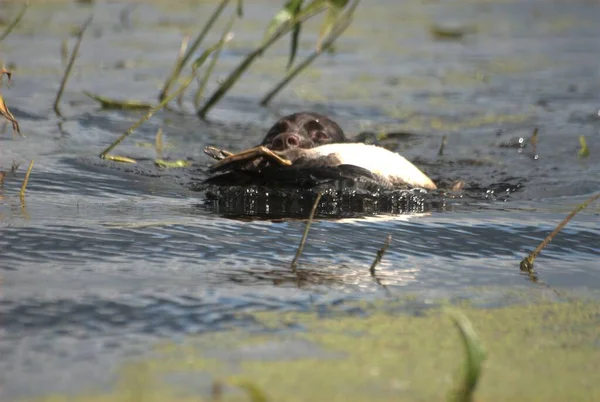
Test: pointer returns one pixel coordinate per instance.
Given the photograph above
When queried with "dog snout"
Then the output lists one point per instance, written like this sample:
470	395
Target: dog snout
286	141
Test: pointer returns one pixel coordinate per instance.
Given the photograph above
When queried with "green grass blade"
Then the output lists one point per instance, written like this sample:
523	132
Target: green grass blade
107	103
197	63
226	37
584	151
15	22
295	35
340	26
475	356
304	15
284	15
180	63
69	67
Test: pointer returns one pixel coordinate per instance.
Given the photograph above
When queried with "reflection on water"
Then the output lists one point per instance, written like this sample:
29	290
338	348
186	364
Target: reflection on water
104	259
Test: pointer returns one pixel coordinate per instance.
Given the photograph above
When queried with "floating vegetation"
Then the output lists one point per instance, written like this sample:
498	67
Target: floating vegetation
26	181
306	229
118	158
181	163
527	263
252	391
450	32
584	151
4	112
15	22
107	103
70	64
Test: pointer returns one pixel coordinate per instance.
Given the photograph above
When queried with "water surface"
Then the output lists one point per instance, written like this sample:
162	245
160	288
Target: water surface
104	259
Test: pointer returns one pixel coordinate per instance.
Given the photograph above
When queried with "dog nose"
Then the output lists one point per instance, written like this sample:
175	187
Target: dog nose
285	141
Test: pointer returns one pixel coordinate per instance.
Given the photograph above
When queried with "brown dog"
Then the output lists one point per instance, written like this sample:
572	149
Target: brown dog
303	130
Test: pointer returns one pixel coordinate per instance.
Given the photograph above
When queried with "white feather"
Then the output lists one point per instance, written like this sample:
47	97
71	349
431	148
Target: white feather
380	161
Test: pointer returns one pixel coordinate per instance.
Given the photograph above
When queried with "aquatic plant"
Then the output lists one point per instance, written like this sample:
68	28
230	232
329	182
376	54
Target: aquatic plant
527	263
288	20
475	355
584	151
26	181
196	65
70	64
15	22
4	111
305	234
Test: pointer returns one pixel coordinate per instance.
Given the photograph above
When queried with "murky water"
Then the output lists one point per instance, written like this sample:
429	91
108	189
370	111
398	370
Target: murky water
104	259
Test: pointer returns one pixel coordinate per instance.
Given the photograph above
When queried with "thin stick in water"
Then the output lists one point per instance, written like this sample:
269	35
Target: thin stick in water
13	24
442	145
380	254
306	229
63	83
26	180
527	263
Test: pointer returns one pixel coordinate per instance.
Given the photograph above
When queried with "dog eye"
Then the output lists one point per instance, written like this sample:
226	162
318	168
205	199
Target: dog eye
313	125
319	136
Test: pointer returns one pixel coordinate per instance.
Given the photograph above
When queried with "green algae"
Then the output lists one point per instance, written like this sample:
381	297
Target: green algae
545	350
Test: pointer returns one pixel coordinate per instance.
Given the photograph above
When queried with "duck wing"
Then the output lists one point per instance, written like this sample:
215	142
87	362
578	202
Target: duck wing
296	177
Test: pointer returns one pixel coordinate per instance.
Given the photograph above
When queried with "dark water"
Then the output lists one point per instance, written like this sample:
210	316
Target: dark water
105	259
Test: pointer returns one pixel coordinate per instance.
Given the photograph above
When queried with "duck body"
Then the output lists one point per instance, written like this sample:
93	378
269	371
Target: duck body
310	167
388	167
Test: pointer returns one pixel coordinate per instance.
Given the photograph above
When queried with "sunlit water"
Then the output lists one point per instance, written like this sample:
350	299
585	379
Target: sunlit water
104	259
